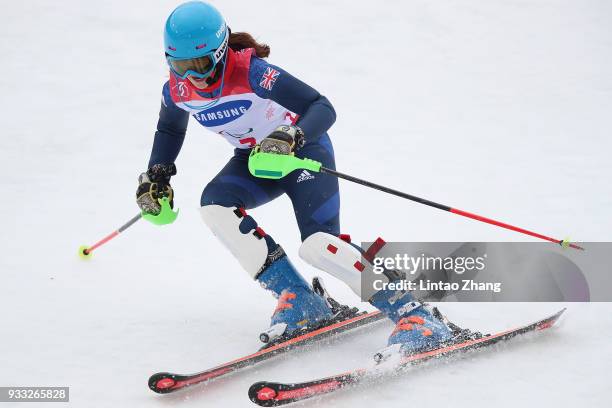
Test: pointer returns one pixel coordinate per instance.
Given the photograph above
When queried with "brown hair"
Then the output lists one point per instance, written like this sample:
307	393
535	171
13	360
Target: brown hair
240	41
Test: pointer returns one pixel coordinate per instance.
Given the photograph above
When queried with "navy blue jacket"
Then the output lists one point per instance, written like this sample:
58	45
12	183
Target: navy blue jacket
317	114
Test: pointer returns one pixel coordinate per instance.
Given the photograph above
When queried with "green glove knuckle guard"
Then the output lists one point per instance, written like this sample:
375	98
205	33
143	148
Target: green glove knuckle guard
155	196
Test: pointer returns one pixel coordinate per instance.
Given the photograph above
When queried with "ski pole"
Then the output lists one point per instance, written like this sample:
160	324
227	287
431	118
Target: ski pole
165	216
86	252
562	242
274	166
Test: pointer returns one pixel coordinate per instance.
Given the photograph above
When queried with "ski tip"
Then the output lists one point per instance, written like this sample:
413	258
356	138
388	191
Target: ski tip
549	322
162	383
559	313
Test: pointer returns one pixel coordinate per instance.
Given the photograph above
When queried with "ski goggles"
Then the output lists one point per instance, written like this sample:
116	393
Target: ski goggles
200	67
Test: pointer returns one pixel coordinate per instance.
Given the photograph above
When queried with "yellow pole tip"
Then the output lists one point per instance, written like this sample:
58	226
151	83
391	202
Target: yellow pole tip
566	242
84	253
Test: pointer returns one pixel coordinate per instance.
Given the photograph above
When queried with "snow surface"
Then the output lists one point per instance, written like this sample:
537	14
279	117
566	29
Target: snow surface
500	107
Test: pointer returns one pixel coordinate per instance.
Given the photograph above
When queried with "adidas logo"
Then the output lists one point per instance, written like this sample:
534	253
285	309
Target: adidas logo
304	175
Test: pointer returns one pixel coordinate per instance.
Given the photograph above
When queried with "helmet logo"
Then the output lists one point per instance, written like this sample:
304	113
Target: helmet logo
171	48
221	50
199	47
220	30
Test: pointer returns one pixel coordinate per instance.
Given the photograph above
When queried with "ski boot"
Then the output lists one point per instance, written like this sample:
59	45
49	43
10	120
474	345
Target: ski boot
416	330
419	327
301	308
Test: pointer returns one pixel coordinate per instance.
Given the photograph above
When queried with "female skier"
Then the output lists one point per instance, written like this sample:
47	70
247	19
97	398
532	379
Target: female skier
221	79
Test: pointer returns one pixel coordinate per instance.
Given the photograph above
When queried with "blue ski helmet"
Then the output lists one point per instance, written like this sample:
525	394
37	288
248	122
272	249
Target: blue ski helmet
195	39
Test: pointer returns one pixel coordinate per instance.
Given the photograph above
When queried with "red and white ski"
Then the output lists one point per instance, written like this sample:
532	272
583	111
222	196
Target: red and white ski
164	383
271	394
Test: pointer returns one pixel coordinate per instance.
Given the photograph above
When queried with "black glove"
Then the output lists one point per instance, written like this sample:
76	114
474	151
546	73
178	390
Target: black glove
153	185
284	140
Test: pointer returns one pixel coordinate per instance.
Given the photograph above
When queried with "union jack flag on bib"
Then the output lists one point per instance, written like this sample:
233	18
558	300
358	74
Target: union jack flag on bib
268	78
